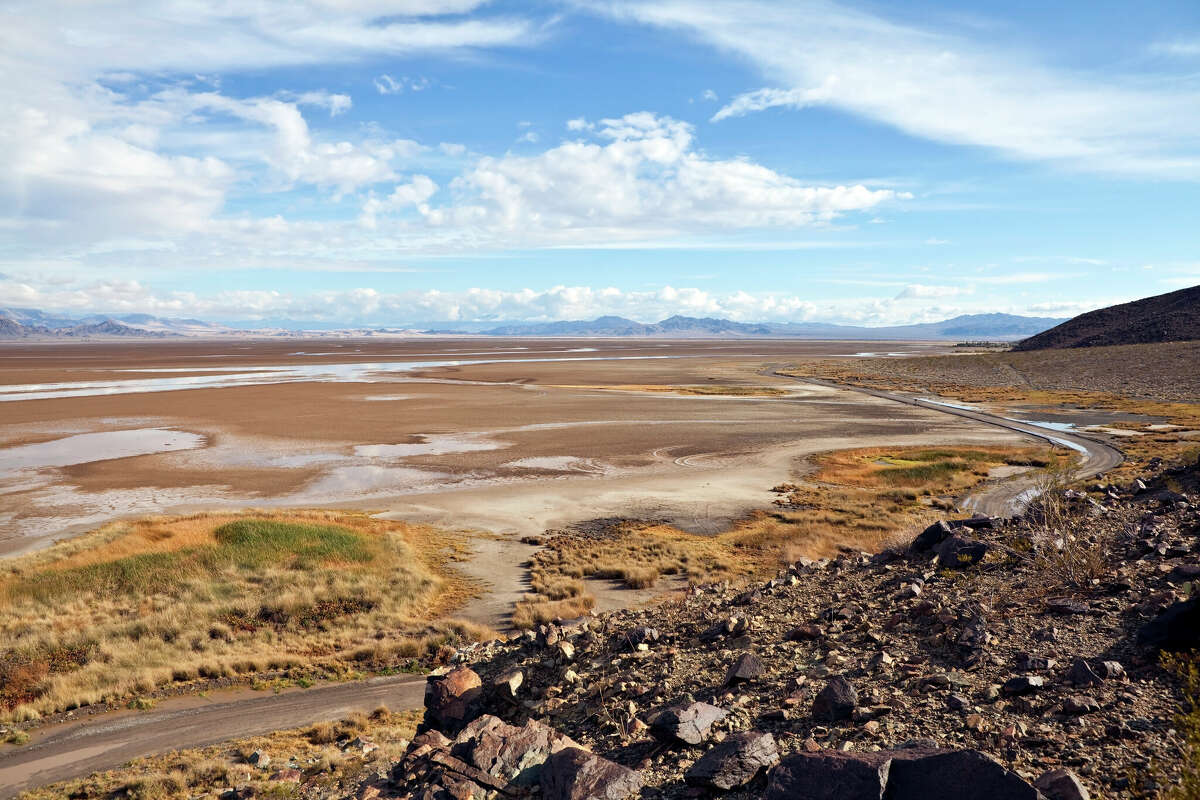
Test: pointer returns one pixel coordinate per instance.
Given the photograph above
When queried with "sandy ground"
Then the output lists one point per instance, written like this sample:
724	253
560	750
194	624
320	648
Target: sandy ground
512	448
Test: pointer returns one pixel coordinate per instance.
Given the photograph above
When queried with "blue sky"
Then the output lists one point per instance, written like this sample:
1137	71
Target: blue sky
397	161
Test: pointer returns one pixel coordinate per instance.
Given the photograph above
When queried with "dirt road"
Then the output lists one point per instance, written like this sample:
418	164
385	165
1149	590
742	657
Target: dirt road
81	748
1012	495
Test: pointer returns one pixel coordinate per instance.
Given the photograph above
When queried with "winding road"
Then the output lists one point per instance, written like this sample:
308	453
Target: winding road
80	748
1006	497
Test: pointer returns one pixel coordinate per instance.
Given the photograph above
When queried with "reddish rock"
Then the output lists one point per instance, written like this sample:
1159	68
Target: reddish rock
576	774
452	700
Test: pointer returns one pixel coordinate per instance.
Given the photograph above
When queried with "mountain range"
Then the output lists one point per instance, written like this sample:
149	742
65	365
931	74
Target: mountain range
21	323
969	326
30	323
1171	317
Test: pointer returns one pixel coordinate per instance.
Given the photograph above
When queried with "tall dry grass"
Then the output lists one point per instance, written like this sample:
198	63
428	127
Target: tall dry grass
141	604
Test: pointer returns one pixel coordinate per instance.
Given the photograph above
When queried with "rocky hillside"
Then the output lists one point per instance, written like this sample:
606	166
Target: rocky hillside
1019	659
1173	317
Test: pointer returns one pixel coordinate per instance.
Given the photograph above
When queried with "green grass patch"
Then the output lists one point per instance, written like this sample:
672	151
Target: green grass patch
923	473
244	545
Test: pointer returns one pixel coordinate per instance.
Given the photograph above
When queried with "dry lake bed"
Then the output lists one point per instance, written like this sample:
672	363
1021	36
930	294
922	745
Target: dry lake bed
509	436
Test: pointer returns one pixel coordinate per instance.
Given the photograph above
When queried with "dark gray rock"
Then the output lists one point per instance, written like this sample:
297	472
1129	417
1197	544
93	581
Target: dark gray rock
576	774
1081	674
1022	684
827	775
1061	784
689	723
748	667
734	762
955	775
1176	628
958	552
836	701
932	536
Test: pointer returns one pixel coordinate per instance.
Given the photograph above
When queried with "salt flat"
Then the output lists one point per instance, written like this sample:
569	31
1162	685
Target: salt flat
509	436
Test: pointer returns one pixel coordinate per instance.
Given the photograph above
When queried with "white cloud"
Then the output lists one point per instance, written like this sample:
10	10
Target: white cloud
638	174
367	305
386	84
943	87
915	291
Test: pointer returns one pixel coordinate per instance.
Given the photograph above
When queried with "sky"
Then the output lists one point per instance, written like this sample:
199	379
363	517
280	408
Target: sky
390	162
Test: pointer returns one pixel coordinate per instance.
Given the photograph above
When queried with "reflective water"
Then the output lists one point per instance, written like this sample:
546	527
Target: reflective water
85	448
216	377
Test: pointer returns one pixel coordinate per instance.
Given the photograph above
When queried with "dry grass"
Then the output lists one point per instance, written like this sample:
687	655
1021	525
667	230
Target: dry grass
206	772
859	499
137	605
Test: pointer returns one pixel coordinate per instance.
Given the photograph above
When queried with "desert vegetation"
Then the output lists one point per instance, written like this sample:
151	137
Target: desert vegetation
119	613
320	755
859	499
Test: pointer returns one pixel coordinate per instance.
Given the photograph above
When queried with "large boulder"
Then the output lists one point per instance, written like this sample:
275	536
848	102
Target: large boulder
923	773
576	774
515	755
829	775
956	775
734	762
958	552
452	700
1176	628
932	536
690	723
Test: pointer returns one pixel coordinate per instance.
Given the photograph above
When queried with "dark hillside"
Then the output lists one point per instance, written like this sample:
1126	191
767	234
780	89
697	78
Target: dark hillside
1173	317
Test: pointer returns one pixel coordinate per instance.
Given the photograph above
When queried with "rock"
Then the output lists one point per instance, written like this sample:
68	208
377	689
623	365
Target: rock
1032	663
576	774
828	775
689	723
508	683
512	754
452	700
932	536
1110	670
955	775
836	701
957	552
1176	628
1061	784
259	759
1080	674
734	762
1022	684
748	667
1079	704
1066	606
641	635
802	633
958	702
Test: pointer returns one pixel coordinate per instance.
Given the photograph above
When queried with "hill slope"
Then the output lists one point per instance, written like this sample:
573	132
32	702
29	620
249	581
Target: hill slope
1172	317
